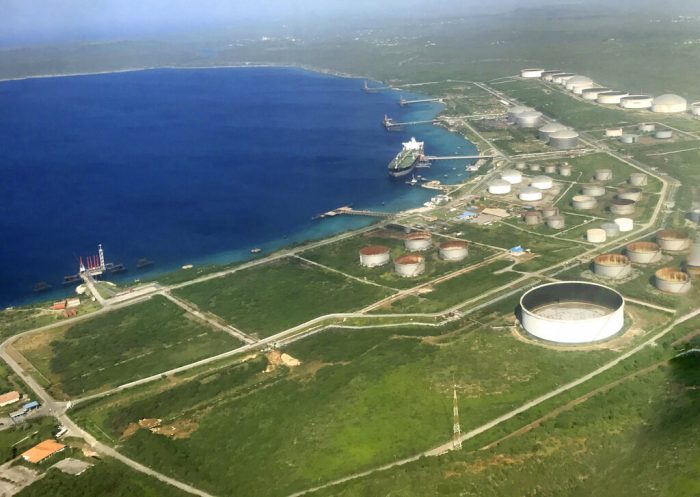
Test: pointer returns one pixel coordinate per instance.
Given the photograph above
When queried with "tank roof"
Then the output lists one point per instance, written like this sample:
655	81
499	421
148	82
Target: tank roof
409	259
453	244
374	250
645	247
579	79
670	99
553	127
672	274
565	133
612	260
672	235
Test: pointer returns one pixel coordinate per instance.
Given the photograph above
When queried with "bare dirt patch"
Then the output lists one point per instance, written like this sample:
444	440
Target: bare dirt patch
275	359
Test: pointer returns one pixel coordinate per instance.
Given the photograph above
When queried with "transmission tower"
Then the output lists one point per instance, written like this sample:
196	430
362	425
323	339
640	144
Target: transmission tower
457	432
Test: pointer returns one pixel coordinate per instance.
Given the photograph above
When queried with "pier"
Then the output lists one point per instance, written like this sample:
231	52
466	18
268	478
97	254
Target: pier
403	102
369	89
431	158
349	211
391	125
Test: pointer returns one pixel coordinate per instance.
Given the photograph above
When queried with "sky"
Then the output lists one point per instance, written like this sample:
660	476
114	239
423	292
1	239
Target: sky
29	22
33	22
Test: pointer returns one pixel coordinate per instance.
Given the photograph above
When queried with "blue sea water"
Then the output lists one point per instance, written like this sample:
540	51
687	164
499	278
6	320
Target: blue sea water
192	166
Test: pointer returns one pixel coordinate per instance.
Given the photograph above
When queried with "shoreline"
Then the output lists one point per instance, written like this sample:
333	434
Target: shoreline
29	301
251	65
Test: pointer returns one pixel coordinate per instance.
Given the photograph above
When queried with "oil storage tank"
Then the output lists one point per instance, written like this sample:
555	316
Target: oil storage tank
613	132
612	266
532	218
515	111
638	179
611	97
548	129
632	193
542	182
603	174
636	102
663	134
578	83
499	187
673	240
564	140
625	223
693	262
629	138
409	265
592	93
557	222
453	250
529	119
596	235
562	77
646	127
565	169
611	229
622	206
549	211
672	280
643	252
374	256
531	73
418	242
512	176
593	189
572	312
549	73
530	194
669	104
695	108
583	202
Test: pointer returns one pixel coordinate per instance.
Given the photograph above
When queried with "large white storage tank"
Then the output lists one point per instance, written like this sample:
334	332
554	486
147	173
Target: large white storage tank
530	194
611	97
669	103
693	262
374	256
530	119
512	176
562	78
572	312
672	280
612	266
578	83
673	240
409	265
454	250
695	108
499	187
548	129
542	182
565	139
418	242
643	252
637	102
516	110
583	202
548	74
596	235
531	73
592	93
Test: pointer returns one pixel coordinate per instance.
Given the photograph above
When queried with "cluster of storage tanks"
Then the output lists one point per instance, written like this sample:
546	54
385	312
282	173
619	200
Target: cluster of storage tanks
667	279
623	204
589	90
538	184
412	264
549	215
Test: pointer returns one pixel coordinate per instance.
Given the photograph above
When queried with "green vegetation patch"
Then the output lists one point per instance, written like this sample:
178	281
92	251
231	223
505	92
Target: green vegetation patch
106	478
359	398
271	298
120	346
455	290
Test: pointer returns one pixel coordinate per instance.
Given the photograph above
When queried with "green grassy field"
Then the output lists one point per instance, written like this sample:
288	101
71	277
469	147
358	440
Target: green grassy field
106	478
360	398
455	290
271	298
18	319
635	438
343	256
119	347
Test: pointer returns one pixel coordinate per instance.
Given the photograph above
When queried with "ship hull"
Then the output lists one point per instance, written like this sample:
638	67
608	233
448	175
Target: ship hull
397	173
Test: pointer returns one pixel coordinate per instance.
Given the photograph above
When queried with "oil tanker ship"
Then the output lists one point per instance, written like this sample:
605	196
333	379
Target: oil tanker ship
406	160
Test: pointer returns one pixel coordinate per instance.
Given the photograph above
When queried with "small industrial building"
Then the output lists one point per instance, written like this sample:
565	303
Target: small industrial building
531	73
42	450
9	398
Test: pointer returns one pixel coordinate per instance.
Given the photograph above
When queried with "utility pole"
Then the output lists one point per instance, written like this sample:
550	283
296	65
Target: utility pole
457	432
